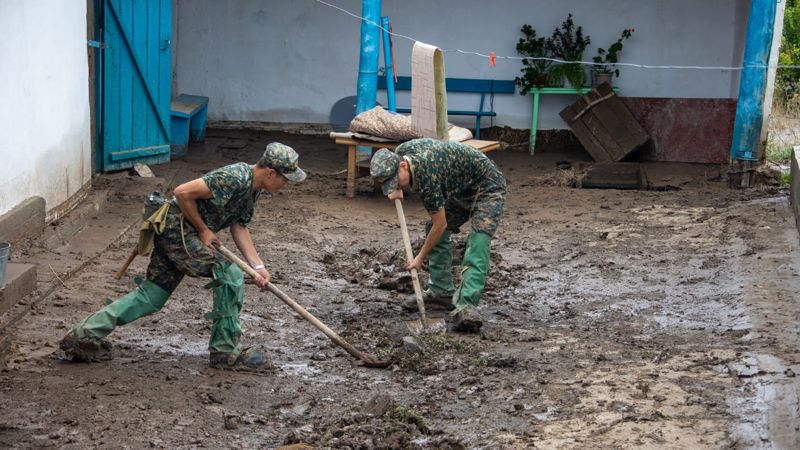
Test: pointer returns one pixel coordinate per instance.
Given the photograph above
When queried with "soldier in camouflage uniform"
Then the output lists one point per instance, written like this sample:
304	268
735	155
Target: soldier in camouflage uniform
457	183
223	198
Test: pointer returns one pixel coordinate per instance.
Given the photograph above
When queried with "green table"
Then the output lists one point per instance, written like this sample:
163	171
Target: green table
550	90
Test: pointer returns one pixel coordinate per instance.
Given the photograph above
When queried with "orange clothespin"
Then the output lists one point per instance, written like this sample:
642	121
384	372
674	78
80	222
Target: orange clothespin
492	61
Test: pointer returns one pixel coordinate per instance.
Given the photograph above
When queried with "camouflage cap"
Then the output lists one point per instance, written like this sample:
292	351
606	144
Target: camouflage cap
283	159
383	169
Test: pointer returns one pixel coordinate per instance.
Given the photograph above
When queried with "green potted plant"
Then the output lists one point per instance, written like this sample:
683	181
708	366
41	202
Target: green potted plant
605	61
534	70
568	44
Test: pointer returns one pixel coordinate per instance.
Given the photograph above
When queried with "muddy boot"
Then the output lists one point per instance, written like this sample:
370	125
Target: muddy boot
433	302
439	295
467	320
249	360
85	349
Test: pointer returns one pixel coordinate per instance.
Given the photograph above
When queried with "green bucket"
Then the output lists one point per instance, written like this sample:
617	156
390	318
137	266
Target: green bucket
5	249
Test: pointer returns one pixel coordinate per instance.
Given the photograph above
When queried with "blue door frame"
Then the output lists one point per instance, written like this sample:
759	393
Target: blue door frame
133	88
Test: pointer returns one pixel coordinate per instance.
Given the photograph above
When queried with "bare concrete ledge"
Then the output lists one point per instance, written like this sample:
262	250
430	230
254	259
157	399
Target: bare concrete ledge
70	203
288	127
24	221
794	190
20	281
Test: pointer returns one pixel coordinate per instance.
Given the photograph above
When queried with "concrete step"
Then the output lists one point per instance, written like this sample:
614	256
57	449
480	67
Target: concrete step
20	280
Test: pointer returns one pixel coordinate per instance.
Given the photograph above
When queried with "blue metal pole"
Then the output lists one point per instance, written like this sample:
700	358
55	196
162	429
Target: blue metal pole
387	63
753	82
370	55
368	63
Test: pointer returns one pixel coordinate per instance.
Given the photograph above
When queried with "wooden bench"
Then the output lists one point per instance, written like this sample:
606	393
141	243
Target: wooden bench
357	169
187	121
476	86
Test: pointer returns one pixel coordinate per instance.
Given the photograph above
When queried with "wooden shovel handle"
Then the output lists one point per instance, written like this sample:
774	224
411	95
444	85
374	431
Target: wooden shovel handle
127	263
338	340
410	255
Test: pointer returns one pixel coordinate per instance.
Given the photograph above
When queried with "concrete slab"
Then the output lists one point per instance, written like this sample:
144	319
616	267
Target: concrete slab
20	281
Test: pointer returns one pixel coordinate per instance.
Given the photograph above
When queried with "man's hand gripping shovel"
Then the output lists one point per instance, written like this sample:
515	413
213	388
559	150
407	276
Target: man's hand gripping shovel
424	324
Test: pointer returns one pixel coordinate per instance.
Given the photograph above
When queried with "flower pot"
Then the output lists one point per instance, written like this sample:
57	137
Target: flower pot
601	77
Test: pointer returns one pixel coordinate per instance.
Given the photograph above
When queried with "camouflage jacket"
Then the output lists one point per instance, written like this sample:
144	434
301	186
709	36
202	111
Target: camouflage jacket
233	198
444	169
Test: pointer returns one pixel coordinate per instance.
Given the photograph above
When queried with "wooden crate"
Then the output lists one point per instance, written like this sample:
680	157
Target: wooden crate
604	125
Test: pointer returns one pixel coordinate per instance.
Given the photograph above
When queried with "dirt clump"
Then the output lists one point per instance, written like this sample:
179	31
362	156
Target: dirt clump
378	423
378	268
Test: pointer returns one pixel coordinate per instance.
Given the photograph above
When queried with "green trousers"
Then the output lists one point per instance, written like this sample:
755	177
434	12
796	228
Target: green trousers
473	271
226	329
149	297
146	299
440	267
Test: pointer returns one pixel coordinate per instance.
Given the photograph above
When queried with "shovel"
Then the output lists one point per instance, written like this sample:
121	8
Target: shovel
368	360
424	324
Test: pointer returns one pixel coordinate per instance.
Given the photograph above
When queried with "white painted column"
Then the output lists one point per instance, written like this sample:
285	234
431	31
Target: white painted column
774	53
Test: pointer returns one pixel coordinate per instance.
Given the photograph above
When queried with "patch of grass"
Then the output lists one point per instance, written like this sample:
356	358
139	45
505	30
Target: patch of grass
786	179
778	152
480	361
385	353
407	414
442	342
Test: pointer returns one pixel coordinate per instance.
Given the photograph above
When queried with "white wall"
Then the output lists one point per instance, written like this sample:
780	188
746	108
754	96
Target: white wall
284	61
44	101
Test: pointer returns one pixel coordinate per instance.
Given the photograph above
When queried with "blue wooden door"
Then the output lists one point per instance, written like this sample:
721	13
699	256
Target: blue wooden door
134	88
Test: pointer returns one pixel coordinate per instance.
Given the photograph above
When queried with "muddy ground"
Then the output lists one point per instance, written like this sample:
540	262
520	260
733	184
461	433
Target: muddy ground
613	319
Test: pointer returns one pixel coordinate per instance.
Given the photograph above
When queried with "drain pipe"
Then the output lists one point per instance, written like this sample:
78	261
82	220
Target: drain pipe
752	90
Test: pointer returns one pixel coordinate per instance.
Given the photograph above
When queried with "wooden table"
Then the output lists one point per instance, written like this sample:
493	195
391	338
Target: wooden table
355	171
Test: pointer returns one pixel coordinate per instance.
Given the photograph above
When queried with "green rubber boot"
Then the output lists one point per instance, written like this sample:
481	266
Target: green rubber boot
439	294
440	265
85	341
473	280
146	299
226	329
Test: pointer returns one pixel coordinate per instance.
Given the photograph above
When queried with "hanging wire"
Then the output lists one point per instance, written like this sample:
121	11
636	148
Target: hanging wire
560	61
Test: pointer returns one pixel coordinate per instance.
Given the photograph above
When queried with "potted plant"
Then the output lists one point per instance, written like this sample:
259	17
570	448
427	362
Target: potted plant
568	44
534	70
605	61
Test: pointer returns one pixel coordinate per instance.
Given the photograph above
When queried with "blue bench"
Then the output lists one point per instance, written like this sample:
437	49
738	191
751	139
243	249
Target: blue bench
482	87
188	121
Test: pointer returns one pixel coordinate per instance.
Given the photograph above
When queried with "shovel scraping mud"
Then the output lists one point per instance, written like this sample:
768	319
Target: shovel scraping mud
368	360
424	324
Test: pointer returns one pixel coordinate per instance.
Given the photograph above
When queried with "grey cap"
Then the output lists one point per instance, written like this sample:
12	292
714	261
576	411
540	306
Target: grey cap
383	169
283	159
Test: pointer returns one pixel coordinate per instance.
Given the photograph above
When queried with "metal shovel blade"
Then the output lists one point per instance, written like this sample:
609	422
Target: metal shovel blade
435	325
